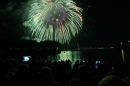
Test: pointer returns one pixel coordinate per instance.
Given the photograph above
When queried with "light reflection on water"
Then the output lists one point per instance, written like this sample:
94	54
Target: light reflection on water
89	55
67	55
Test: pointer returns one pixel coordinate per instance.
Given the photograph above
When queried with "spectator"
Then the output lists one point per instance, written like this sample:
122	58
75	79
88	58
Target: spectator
46	78
83	73
113	81
75	82
102	71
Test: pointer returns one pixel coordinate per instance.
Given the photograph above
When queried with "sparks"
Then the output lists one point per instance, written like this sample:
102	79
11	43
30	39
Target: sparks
55	20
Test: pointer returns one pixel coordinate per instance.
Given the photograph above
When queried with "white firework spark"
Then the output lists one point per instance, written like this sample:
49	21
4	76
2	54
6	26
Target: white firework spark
55	20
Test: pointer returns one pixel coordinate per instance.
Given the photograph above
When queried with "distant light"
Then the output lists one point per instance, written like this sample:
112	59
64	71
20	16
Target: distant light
98	48
111	47
88	6
129	41
121	42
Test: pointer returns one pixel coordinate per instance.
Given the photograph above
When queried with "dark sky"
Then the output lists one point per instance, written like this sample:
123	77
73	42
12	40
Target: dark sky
111	22
105	22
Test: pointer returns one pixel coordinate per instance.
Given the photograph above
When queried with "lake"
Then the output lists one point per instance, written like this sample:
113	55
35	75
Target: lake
89	55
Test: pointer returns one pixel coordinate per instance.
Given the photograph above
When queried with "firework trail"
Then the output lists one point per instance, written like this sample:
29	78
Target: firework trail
55	20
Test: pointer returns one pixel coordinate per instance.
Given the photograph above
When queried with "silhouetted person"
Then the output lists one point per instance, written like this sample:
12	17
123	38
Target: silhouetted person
110	65
4	73
61	75
45	78
102	72
113	81
83	73
22	77
118	70
75	82
75	69
127	78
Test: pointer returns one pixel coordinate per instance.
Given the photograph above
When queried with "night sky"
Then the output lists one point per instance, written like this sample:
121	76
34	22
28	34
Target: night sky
105	22
111	22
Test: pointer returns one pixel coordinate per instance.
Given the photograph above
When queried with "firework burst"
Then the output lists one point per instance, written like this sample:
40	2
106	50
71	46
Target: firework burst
55	20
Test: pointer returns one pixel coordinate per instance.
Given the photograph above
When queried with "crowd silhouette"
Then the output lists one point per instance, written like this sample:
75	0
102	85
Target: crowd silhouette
37	72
